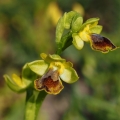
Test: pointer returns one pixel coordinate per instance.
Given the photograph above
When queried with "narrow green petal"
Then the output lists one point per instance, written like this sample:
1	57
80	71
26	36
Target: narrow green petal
92	21
38	66
78	42
69	75
12	85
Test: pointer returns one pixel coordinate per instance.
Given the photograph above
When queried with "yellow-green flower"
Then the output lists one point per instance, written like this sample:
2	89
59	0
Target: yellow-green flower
51	70
89	32
16	83
84	34
20	84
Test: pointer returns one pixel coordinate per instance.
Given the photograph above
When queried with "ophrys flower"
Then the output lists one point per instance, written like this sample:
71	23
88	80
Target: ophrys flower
51	70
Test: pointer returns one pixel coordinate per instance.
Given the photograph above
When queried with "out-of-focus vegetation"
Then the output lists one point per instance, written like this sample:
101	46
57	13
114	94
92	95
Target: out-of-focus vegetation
27	28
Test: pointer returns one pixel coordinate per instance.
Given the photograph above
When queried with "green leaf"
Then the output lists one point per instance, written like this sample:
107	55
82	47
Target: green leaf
12	85
69	75
39	67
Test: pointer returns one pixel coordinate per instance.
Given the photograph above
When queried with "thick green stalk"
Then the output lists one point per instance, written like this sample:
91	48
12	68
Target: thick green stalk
34	101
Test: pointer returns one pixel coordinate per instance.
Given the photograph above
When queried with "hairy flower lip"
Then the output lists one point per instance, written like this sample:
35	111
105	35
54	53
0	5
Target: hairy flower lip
50	82
101	43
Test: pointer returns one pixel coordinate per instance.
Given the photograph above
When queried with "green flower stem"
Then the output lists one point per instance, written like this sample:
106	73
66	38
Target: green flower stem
66	41
34	101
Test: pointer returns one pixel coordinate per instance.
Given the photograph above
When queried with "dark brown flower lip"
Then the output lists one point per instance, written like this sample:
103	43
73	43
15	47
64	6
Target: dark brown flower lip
50	82
101	43
50	86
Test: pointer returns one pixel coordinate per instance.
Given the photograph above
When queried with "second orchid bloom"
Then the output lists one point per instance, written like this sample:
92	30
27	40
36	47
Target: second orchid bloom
51	70
89	32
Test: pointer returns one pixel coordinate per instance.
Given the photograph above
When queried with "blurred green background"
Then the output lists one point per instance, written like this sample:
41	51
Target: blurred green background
27	28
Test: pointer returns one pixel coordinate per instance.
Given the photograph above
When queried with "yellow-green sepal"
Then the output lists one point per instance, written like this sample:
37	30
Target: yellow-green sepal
51	58
39	67
69	75
77	41
96	29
